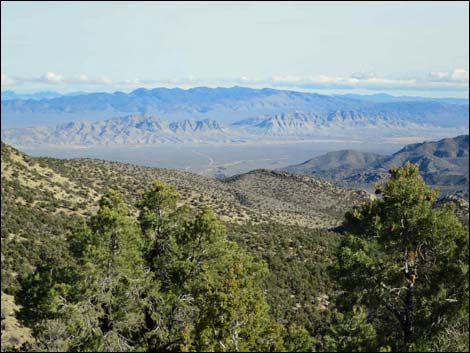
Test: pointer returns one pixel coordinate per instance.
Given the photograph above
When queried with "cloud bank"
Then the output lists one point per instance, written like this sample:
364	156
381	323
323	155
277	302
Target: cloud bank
455	80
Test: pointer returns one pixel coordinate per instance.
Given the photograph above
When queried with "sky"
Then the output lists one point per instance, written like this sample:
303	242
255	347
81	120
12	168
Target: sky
412	48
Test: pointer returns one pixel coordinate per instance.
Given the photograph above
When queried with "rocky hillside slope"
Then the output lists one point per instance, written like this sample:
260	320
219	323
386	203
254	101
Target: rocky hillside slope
443	164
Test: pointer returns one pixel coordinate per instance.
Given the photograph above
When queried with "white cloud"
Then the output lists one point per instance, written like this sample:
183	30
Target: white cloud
104	80
460	75
356	80
439	76
457	75
446	80
456	80
51	77
363	75
7	81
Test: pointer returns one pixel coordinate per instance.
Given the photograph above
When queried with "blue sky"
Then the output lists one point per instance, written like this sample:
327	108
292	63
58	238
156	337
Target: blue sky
363	47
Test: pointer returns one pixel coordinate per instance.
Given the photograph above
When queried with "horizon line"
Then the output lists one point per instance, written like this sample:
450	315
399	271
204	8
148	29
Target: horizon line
293	89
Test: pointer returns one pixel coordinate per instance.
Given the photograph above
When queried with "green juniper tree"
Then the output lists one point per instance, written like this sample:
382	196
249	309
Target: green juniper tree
108	314
114	274
351	332
173	284
232	311
211	290
406	262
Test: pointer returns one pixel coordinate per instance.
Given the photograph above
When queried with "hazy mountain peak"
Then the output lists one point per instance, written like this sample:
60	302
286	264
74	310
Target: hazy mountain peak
189	125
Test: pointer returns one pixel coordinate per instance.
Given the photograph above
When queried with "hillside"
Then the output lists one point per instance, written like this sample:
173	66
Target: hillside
336	161
278	217
235	199
44	198
443	164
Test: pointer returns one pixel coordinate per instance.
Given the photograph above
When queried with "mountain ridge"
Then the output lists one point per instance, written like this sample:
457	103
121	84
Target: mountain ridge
142	129
131	129
443	163
225	105
85	178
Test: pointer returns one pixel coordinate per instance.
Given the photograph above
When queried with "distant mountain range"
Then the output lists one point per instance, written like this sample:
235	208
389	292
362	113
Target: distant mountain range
225	105
384	98
378	97
443	163
132	129
145	129
11	95
308	123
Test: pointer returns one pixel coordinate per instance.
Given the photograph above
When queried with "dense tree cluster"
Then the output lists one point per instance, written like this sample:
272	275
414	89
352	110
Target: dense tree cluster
165	277
406	264
167	281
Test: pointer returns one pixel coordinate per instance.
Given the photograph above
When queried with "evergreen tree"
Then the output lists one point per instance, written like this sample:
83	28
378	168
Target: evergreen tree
232	311
211	290
175	284
108	314
406	262
351	332
297	339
